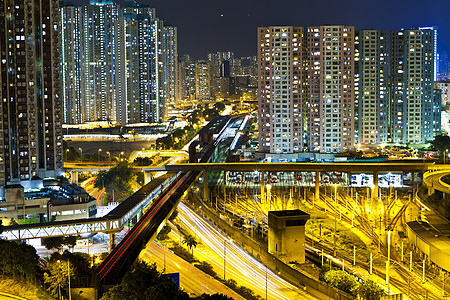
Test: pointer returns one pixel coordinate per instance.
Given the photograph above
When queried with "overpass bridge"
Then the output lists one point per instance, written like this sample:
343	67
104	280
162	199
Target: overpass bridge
114	221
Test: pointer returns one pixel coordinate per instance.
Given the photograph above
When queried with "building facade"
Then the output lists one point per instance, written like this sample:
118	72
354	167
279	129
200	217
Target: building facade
202	80
331	95
280	89
31	97
371	87
412	79
71	71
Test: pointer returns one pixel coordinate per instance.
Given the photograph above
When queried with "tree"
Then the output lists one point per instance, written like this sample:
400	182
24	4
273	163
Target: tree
13	222
116	180
207	268
162	235
57	275
145	282
18	260
370	290
190	241
1	227
441	143
52	243
341	280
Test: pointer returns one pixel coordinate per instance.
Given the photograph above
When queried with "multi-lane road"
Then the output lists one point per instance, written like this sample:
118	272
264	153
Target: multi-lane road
217	249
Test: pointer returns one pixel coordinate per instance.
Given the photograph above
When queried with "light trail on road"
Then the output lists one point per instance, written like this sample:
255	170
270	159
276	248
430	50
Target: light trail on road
240	266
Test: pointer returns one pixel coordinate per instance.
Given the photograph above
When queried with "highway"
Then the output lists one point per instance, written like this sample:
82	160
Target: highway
192	280
140	234
239	265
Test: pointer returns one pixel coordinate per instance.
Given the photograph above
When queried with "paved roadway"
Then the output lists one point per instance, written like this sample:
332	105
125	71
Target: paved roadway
240	266
192	280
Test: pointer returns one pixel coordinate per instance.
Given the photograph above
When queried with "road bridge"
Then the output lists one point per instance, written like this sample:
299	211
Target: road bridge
349	167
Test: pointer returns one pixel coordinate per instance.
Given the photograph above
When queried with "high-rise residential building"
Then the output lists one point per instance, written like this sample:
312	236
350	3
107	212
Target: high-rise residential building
170	58
119	65
281	83
202	80
135	61
444	86
331	88
216	59
412	79
31	98
183	77
371	87
437	112
98	61
71	71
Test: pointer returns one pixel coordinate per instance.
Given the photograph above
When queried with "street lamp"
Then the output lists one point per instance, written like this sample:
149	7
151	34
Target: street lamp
269	196
445	154
109	156
98	154
81	155
68	275
67	154
121	153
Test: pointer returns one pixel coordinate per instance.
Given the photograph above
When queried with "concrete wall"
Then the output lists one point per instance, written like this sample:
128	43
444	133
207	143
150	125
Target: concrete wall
260	252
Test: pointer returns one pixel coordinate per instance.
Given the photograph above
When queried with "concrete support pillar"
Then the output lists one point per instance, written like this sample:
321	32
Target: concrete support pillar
205	186
147	177
112	241
349	178
413	178
74	177
262	186
375	184
316	191
430	190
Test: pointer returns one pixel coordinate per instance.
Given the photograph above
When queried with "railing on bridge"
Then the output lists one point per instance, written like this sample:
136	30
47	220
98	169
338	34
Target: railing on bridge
112	222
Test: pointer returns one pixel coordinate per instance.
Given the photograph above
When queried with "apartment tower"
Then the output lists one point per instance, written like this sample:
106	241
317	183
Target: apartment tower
371	87
31	98
331	88
280	89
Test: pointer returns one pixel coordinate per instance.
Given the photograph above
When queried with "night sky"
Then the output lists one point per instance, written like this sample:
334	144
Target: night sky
206	26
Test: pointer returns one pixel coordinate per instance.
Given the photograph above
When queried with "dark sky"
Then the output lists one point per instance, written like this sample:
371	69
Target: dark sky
202	29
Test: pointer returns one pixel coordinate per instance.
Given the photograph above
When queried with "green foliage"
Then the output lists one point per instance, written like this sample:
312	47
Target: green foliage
190	241
341	280
183	253
18	260
213	297
145	282
441	143
162	235
219	106
1	226
59	242
13	222
370	290
207	268
142	161
117	179
57	275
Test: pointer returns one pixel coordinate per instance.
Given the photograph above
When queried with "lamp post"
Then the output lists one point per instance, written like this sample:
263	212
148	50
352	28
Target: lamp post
109	156
445	154
269	196
81	154
98	154
224	258
67	154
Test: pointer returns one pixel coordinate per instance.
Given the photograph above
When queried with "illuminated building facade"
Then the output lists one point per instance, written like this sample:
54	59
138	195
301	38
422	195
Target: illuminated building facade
280	89
30	93
412	77
331	95
371	87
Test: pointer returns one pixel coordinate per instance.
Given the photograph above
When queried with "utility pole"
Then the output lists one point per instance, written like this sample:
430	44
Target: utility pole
224	258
